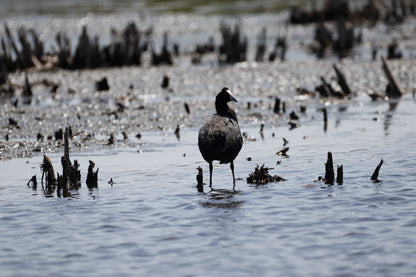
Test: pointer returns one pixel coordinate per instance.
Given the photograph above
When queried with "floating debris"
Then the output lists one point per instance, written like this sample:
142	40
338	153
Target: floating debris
261	176
285	142
283	152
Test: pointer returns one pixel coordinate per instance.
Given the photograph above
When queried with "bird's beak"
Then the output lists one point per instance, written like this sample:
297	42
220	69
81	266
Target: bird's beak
232	98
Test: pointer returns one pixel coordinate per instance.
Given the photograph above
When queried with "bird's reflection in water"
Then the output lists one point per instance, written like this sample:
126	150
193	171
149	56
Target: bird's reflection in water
222	198
389	115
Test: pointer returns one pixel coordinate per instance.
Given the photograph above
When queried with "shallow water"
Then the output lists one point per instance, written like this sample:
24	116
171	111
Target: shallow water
153	222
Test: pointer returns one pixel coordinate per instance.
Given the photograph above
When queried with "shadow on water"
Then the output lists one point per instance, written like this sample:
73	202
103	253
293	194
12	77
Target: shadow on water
389	114
221	198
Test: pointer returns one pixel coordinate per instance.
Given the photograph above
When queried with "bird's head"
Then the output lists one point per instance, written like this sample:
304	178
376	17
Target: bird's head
225	96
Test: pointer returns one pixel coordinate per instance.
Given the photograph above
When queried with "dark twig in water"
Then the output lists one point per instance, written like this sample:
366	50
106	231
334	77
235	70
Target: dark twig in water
261	176
285	142
187	109
283	152
261	131
342	81
374	177
177	132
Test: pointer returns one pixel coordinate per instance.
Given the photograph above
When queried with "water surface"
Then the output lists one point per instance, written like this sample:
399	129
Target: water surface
153	222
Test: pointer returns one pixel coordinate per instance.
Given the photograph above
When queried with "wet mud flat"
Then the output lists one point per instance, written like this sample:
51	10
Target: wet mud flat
136	101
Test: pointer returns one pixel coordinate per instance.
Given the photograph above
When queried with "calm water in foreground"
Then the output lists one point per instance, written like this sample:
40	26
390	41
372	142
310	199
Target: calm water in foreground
153	222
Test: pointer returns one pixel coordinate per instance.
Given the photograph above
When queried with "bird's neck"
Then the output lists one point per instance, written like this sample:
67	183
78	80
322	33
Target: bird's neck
224	110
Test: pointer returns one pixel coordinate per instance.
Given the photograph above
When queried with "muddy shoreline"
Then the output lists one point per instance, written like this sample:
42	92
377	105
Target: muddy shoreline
136	102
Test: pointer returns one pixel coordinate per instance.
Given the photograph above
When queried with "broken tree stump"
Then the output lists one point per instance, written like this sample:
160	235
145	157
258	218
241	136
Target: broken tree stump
261	176
199	179
342	81
340	175
276	108
395	91
33	183
92	177
325	119
48	174
374	177
329	170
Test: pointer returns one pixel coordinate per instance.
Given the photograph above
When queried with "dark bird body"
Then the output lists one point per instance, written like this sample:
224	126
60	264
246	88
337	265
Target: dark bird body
220	137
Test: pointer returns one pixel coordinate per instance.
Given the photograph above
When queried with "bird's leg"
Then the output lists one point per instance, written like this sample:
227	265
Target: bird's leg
210	174
232	171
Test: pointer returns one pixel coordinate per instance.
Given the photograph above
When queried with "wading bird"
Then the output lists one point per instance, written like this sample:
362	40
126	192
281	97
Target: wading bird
219	138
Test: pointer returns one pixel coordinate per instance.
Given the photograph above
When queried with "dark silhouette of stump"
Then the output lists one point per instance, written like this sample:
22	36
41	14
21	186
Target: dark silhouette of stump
325	119
48	174
33	183
395	91
92	177
374	177
340	175
329	170
200	180
342	81
276	108
165	82
102	85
